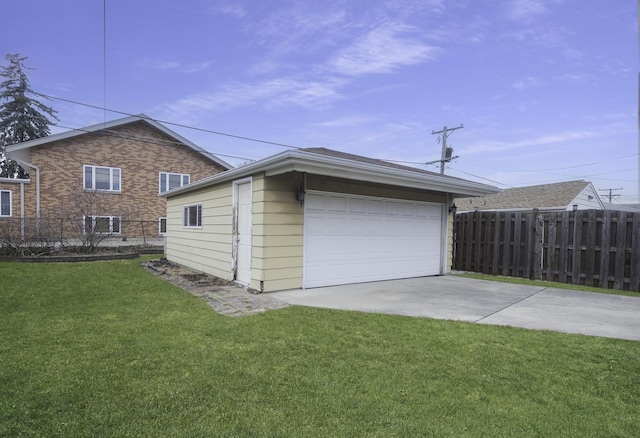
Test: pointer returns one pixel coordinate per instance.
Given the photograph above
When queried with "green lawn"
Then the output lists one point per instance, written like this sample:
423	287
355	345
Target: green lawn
106	349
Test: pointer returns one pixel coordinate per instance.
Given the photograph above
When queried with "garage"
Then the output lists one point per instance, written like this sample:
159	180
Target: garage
317	217
354	239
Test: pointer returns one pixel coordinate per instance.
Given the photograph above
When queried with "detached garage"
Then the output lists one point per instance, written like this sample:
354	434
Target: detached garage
315	217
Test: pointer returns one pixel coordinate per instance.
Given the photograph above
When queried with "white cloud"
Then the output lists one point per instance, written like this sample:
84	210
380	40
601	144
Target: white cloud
525	10
233	9
348	121
153	64
525	83
500	146
381	51
266	94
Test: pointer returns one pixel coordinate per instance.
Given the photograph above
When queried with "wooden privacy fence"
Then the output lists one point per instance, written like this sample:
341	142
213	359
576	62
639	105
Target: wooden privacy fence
587	247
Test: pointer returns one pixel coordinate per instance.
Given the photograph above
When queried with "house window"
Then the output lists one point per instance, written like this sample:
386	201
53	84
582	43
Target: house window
192	216
170	181
101	178
5	203
162	226
102	225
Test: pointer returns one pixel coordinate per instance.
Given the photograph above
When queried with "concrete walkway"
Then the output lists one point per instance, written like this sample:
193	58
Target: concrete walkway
483	302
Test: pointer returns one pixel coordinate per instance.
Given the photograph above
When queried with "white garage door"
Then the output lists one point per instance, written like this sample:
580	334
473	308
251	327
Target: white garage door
352	239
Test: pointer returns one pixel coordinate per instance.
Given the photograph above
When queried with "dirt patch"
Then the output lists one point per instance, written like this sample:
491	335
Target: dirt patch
223	296
180	274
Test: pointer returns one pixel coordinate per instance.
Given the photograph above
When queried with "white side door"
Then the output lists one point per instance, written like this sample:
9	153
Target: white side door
243	232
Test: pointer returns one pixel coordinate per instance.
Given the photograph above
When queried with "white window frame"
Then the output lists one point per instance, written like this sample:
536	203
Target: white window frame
160	220
3	192
185	179
93	225
187	213
114	172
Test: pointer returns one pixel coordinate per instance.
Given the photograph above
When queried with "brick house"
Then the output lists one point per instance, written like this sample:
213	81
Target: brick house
105	177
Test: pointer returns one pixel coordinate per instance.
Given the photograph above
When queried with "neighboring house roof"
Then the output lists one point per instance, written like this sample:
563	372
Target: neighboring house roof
558	196
327	162
114	124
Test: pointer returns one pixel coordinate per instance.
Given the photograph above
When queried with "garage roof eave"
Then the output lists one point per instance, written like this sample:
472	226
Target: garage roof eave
311	163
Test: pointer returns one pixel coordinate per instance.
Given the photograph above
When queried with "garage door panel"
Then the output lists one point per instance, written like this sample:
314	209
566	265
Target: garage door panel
350	238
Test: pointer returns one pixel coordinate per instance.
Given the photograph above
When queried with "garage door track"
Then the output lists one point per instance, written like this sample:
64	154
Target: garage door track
483	302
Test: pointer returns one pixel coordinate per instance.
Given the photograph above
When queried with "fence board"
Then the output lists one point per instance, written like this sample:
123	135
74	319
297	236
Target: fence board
506	245
495	259
551	247
576	247
592	222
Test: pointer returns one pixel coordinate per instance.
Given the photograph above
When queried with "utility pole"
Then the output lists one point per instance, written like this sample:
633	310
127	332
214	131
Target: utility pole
611	195
446	152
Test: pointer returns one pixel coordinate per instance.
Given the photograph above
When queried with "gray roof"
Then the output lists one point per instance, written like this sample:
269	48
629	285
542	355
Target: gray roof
113	124
541	197
327	162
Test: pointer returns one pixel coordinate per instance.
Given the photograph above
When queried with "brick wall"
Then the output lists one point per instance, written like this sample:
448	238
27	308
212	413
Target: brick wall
140	151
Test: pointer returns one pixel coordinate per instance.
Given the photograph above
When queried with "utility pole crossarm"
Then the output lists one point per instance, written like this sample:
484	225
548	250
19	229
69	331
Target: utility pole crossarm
611	195
444	158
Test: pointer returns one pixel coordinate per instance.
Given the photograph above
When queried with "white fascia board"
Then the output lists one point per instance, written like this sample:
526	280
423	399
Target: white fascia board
317	164
113	124
15	180
382	175
72	133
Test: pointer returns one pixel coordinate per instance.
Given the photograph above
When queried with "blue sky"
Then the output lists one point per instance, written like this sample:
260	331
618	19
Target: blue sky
547	90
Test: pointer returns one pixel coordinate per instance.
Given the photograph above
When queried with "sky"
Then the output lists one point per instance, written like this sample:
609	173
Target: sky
547	90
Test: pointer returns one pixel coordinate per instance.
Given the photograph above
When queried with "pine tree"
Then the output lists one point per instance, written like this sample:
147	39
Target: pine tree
22	117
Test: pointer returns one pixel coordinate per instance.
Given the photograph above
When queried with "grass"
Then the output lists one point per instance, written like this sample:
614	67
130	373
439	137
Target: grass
550	284
106	349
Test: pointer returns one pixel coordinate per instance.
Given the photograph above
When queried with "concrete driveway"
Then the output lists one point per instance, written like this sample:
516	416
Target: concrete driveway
483	302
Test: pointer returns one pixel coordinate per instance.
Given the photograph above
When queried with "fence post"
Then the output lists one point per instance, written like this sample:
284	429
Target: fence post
144	238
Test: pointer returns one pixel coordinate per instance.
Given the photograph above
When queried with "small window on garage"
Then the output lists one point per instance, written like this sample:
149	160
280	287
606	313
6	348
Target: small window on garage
192	216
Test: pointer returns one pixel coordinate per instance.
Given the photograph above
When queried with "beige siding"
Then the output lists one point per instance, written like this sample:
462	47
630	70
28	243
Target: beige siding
277	233
207	249
449	264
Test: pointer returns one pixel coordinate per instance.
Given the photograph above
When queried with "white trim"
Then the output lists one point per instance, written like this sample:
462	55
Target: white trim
198	214
112	171
93	224
167	175
15	180
160	233
10	203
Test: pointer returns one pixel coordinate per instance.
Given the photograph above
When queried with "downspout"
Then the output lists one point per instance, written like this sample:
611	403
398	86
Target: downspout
25	164
22	210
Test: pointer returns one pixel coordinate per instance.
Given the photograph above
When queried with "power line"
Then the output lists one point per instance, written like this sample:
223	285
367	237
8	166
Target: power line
486	179
596	163
164	122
